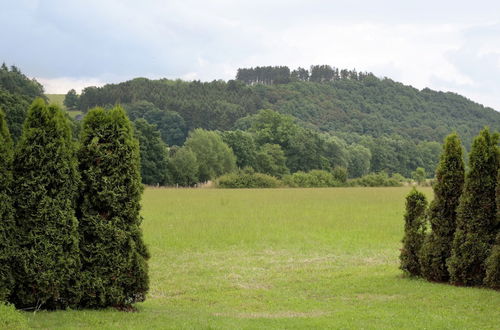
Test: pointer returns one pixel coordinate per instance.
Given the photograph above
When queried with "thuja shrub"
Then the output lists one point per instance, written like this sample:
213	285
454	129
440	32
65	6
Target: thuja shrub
45	186
492	278
442	212
414	232
476	215
114	256
7	226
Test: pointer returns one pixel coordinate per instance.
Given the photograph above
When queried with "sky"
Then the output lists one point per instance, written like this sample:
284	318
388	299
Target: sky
444	45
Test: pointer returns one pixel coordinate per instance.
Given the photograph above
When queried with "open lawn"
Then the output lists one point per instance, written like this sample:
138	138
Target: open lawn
283	258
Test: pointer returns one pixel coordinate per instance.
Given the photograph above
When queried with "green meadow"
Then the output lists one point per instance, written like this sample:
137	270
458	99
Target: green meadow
282	258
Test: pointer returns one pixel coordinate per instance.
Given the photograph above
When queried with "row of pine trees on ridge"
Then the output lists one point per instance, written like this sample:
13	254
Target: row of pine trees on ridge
69	214
463	247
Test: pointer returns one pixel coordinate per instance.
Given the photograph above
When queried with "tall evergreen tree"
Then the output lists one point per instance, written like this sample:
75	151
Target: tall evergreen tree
493	262
45	186
443	211
7	226
416	204
476	215
114	256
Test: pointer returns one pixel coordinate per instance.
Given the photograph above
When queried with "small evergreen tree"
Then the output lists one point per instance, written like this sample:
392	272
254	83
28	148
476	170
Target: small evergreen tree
45	186
443	211
476	215
7	226
416	204
114	257
492	278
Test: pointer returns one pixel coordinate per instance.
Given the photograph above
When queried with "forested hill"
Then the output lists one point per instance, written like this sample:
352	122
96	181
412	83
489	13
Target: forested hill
344	101
16	93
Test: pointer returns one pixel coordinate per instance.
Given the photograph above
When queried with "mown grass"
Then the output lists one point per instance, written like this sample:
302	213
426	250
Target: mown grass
283	258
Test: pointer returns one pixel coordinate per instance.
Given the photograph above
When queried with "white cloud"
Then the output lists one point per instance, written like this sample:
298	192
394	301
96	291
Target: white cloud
63	84
443	45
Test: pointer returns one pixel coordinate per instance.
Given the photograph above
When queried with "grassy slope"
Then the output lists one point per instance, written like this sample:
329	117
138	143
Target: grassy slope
59	100
283	258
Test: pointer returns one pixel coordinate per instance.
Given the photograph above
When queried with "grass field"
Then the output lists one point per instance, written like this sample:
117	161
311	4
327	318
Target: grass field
59	100
283	258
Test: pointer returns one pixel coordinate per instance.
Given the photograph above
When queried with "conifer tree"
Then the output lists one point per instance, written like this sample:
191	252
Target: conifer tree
493	262
443	211
416	204
7	226
476	214
114	257
45	186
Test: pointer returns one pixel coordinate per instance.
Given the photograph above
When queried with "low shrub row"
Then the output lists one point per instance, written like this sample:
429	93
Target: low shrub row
248	178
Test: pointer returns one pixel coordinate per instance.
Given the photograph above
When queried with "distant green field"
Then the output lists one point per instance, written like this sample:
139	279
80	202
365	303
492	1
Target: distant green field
59	100
283	258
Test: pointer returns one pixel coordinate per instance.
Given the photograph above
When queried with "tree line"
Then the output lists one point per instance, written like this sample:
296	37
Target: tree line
271	75
69	213
274	144
463	247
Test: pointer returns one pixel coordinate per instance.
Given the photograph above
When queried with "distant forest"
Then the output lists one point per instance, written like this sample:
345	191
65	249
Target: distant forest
317	118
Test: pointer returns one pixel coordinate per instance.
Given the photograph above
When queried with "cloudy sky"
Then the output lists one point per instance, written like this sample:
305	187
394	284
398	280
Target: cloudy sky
444	45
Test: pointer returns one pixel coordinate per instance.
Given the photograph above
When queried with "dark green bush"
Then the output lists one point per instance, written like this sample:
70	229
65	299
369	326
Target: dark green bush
442	211
492	278
416	205
45	186
114	257
7	226
380	179
476	214
248	178
312	179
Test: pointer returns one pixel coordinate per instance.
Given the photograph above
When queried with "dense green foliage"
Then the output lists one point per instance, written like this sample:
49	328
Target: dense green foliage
442	212
400	126
45	186
243	145
312	179
114	256
270	159
7	226
171	125
16	94
416	204
71	99
380	179
214	157
183	166
154	154
492	278
476	215
248	178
